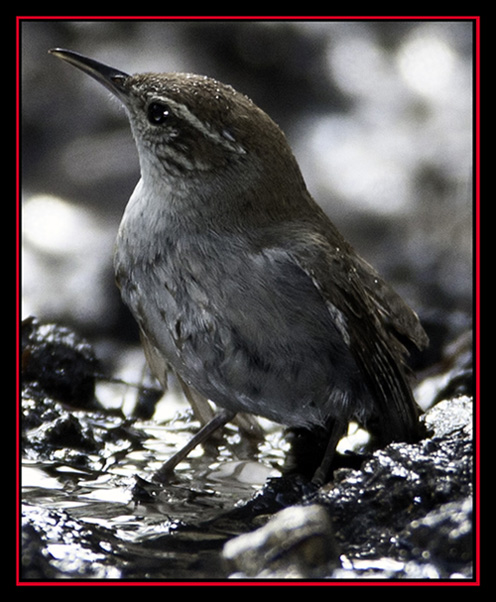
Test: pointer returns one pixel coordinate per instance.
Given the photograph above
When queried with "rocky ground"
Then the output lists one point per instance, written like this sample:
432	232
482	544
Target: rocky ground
90	510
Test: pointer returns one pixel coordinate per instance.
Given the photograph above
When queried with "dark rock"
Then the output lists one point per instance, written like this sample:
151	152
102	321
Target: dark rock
443	537
59	361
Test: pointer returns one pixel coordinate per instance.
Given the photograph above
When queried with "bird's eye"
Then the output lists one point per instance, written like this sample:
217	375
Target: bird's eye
158	113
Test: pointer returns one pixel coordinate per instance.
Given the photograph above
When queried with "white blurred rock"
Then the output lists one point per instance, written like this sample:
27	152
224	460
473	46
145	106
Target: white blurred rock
66	259
297	542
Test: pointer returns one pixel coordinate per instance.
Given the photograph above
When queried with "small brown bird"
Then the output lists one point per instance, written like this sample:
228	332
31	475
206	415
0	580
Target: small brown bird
237	278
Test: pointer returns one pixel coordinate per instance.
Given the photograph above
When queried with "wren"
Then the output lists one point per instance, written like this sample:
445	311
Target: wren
239	281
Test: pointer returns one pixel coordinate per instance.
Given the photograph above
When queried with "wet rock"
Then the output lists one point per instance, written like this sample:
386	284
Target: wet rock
68	431
54	545
58	361
444	537
449	416
297	542
402	484
61	418
405	513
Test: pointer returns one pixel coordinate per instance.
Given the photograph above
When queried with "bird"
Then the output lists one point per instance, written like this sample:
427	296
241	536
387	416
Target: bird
239	281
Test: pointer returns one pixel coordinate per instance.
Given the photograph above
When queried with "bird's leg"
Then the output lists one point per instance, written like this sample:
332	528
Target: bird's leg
200	406
219	420
321	475
203	411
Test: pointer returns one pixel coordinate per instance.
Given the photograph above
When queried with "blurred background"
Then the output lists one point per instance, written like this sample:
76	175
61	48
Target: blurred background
379	114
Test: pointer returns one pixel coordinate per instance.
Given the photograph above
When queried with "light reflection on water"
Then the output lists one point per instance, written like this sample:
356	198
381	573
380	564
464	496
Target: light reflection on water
92	527
204	485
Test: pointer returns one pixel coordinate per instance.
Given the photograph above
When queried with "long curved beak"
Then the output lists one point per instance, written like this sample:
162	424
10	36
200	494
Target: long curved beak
111	78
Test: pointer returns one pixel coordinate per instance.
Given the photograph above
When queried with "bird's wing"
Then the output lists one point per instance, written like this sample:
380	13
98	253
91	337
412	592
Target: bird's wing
372	314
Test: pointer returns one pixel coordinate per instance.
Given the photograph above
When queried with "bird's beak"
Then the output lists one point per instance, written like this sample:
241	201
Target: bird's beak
113	79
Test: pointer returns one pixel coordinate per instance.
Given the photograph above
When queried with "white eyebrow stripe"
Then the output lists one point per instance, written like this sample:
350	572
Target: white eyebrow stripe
224	137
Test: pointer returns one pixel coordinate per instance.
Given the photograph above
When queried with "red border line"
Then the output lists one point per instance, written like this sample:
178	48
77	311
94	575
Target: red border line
235	583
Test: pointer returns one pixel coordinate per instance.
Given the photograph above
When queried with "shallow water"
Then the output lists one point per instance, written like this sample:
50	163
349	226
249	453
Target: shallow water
105	519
